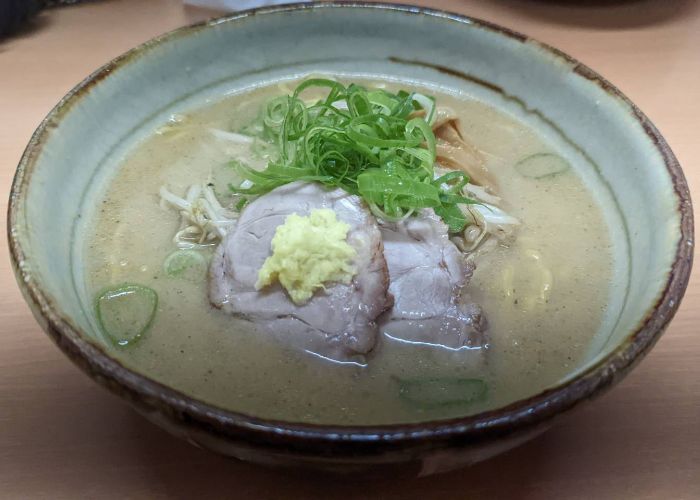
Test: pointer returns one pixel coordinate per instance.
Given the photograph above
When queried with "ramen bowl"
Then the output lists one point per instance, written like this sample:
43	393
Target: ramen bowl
629	164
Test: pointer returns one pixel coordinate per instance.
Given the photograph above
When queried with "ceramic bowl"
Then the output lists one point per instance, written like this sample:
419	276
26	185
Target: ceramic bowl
624	160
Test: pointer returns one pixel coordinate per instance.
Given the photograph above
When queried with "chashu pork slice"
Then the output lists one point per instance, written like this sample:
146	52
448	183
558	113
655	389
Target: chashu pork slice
337	323
428	274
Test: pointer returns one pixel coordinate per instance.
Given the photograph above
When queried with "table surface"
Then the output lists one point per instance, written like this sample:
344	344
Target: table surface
62	436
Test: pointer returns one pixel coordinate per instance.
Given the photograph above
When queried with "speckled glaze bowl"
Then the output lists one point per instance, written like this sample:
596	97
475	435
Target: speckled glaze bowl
623	159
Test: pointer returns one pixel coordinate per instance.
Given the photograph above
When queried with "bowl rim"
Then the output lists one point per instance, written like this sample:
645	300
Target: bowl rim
321	439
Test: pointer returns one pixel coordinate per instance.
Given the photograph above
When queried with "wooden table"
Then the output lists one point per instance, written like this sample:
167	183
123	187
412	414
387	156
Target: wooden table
61	436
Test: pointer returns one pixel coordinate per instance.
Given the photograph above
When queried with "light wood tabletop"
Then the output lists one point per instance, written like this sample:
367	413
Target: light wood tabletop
62	436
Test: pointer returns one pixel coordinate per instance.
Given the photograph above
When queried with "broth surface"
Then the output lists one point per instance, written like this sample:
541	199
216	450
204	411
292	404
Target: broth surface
535	340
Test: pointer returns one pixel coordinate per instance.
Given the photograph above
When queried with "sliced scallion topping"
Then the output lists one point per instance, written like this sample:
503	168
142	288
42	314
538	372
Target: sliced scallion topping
440	392
370	142
126	312
190	265
542	165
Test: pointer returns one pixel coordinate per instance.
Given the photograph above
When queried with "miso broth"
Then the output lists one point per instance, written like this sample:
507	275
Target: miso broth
543	290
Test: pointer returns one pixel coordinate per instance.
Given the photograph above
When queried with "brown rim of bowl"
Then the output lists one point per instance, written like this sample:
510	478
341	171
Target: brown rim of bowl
326	440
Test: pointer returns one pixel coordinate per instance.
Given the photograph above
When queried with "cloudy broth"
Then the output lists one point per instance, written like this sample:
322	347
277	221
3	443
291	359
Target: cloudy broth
535	338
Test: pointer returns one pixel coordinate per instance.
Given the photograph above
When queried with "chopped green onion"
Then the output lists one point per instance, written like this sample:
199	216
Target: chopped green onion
428	104
452	216
241	203
186	264
367	142
542	165
126	312
441	392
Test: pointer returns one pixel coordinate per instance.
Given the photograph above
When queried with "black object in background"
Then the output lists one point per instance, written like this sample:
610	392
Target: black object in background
16	13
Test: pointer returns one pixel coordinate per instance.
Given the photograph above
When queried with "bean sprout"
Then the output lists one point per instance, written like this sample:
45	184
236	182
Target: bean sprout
204	221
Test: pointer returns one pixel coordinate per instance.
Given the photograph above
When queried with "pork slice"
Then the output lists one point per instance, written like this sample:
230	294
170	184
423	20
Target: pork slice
337	323
428	274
